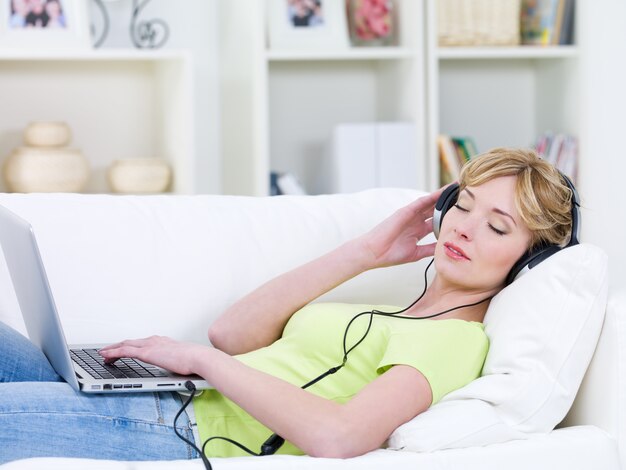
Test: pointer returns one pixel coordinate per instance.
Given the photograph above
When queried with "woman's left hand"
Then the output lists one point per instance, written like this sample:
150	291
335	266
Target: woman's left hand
160	351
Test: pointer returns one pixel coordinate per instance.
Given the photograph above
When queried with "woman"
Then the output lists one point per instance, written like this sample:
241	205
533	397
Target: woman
509	201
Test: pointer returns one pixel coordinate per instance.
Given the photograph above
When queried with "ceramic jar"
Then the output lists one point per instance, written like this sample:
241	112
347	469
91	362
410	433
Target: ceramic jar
139	175
34	169
47	134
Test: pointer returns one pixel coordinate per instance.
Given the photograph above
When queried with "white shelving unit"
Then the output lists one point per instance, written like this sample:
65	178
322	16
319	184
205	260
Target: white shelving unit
119	104
278	107
500	96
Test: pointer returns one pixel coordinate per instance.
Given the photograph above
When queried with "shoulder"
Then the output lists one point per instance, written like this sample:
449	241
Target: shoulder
449	353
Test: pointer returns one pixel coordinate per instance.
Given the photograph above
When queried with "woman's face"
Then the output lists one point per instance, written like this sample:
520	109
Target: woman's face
482	236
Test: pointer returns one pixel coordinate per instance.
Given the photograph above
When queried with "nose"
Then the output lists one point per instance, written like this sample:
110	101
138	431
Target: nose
466	227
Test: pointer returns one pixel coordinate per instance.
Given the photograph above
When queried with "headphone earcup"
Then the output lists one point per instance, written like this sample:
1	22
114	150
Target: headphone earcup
531	259
446	200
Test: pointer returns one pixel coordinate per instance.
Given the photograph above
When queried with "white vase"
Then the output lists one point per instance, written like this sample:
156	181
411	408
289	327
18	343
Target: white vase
33	169
139	175
47	134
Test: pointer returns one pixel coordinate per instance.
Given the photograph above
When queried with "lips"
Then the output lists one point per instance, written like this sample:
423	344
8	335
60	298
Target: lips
454	251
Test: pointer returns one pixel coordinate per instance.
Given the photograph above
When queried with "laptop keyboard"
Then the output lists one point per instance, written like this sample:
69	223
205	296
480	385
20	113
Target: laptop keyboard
124	368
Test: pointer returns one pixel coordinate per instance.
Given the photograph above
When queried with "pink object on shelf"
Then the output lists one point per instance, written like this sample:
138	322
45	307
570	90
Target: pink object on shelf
371	22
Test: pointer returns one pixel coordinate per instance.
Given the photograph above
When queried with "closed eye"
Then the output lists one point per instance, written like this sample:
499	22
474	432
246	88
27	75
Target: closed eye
462	209
499	232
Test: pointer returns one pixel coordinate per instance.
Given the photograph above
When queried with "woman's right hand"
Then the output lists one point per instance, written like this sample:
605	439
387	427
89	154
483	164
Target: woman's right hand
394	240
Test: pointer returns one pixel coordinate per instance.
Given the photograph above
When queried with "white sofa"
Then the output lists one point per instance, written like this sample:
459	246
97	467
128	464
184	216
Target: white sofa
170	264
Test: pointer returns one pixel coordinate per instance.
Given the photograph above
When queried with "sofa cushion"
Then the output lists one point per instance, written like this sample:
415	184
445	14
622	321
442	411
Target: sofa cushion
543	330
575	448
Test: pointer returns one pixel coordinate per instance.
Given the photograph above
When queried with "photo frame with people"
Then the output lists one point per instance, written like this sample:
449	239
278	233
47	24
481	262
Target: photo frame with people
307	24
44	24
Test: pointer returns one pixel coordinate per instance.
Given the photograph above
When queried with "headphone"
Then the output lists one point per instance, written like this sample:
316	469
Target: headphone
534	255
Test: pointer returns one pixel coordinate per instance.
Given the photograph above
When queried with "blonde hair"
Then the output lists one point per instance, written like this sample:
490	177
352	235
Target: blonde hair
542	197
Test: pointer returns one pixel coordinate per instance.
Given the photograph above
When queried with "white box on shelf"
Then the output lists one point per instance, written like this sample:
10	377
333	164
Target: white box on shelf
371	155
396	150
353	158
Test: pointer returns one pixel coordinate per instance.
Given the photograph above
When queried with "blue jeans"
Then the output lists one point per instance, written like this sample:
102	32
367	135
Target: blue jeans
41	415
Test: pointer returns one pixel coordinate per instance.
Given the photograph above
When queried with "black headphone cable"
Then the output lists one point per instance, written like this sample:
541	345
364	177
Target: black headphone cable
274	439
274	442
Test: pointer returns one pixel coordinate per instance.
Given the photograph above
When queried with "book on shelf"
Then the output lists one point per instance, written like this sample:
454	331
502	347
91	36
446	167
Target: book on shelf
547	22
285	184
561	150
567	27
454	152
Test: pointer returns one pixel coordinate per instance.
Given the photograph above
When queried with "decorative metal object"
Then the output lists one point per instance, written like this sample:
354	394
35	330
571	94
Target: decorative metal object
105	24
149	34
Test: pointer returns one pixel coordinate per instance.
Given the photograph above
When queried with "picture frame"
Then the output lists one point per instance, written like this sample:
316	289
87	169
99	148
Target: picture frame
307	24
44	24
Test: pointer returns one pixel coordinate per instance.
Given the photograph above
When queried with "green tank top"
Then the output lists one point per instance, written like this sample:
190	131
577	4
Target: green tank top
450	353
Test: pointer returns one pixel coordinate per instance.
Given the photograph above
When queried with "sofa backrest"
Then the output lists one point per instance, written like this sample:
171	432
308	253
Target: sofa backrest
601	397
141	265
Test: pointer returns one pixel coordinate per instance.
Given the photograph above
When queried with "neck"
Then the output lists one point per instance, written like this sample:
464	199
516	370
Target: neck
440	297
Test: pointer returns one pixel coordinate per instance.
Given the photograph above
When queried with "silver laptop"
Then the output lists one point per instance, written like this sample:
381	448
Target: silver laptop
80	365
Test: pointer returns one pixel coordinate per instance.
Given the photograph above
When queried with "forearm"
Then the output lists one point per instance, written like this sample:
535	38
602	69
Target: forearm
316	425
313	424
269	307
393	241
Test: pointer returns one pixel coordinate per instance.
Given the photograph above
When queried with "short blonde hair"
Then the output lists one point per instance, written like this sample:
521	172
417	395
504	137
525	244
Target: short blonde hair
542	198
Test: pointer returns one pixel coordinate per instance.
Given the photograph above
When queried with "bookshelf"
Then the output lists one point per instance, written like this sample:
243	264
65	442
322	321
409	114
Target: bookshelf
499	96
279	107
119	104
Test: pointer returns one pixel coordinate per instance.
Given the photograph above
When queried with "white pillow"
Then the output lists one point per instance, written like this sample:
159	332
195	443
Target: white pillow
543	330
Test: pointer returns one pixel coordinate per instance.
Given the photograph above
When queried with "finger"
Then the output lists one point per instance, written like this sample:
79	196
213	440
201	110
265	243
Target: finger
111	355
432	198
425	228
426	204
424	231
426	250
129	342
137	343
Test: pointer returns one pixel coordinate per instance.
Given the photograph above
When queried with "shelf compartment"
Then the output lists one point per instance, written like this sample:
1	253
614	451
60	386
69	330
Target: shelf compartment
118	103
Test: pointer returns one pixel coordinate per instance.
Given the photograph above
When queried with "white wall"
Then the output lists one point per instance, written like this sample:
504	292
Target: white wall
603	169
193	26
